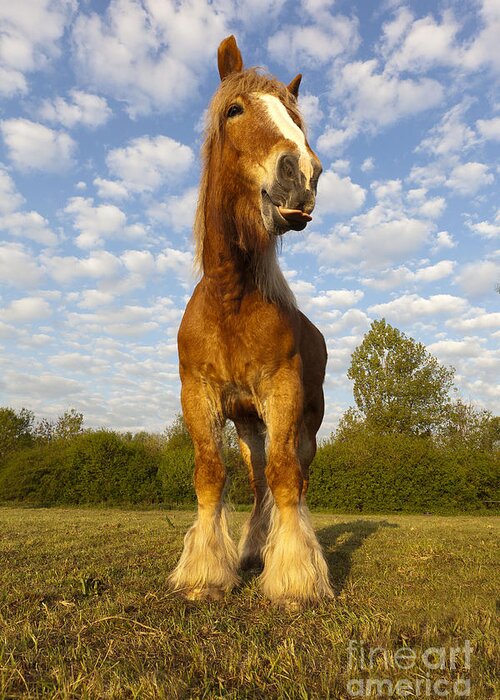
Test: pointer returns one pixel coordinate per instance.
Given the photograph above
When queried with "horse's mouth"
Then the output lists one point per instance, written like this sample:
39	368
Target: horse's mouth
284	218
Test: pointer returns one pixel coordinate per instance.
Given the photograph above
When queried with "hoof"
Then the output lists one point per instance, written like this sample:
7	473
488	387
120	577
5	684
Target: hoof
252	563
291	605
204	594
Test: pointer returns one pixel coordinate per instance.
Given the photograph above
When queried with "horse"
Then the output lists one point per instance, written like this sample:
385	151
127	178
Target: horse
246	353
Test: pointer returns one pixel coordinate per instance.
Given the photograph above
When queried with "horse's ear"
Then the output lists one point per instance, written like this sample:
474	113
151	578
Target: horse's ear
293	87
229	57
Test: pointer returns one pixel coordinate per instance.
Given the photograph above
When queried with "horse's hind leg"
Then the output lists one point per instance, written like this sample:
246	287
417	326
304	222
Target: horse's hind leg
208	564
251	436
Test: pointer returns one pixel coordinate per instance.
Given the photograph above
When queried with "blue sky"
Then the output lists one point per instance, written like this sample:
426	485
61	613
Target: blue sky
101	117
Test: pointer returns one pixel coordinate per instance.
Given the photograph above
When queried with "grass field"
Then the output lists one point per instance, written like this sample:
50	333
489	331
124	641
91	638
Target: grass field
85	612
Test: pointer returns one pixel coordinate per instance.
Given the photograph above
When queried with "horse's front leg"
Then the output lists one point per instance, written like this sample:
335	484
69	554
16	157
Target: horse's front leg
295	570
208	564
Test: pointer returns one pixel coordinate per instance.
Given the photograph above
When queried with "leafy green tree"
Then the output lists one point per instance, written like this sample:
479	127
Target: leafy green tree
398	385
69	424
15	430
44	431
469	426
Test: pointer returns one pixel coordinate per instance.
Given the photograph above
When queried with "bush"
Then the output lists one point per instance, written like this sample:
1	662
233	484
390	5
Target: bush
39	475
361	470
357	470
93	467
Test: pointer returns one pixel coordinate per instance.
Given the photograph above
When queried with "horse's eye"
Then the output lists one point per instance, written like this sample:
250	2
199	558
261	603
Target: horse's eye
234	110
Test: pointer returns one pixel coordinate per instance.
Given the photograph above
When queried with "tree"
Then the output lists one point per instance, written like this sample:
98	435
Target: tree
15	430
398	385
469	426
69	424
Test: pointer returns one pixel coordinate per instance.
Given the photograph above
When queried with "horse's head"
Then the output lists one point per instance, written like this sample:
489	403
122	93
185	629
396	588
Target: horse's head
257	158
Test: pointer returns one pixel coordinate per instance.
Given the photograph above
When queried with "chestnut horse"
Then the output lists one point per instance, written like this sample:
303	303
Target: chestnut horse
246	352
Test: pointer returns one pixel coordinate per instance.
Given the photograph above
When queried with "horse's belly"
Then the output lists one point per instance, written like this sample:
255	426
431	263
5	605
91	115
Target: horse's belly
239	403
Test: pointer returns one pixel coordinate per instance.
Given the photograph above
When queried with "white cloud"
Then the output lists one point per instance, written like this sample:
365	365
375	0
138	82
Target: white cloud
94	298
452	134
29	39
430	175
339	195
479	278
449	351
367	165
316	7
177	261
11	82
334	140
481	321
423	44
395	277
78	362
26	310
468	178
411	306
378	99
112	270
483	50
388	192
353	321
28	225
10	199
394	31
32	146
310	109
489	128
45	386
96	223
333	298
427	208
146	162
17	267
369	244
139	262
487	229
129	320
443	239
177	211
314	44
150	55
110	189
258	12
432	273
341	166
99	265
85	109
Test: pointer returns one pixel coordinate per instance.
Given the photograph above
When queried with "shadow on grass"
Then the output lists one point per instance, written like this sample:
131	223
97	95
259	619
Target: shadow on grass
339	543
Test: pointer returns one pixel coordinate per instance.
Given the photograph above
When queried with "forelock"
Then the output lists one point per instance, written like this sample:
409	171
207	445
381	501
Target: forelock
244	82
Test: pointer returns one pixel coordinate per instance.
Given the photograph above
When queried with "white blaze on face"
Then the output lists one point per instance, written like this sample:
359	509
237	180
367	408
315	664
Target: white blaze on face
279	115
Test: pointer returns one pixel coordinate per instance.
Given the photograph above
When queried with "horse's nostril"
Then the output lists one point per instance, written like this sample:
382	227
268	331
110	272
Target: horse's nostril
287	167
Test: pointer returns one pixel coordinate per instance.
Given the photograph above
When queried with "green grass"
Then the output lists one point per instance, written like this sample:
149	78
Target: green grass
85	611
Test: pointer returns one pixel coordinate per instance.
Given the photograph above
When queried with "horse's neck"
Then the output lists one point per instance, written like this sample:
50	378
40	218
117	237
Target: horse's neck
224	263
235	274
225	271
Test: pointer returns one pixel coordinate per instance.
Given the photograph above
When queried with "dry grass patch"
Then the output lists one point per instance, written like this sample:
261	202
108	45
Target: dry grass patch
85	612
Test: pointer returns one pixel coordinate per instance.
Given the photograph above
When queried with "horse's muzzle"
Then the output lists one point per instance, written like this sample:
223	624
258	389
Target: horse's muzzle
290	198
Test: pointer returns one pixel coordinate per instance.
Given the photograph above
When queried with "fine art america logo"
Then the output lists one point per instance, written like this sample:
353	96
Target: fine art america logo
436	672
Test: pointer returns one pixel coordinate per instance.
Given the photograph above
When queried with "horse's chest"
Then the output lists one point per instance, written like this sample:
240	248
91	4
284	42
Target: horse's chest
235	358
